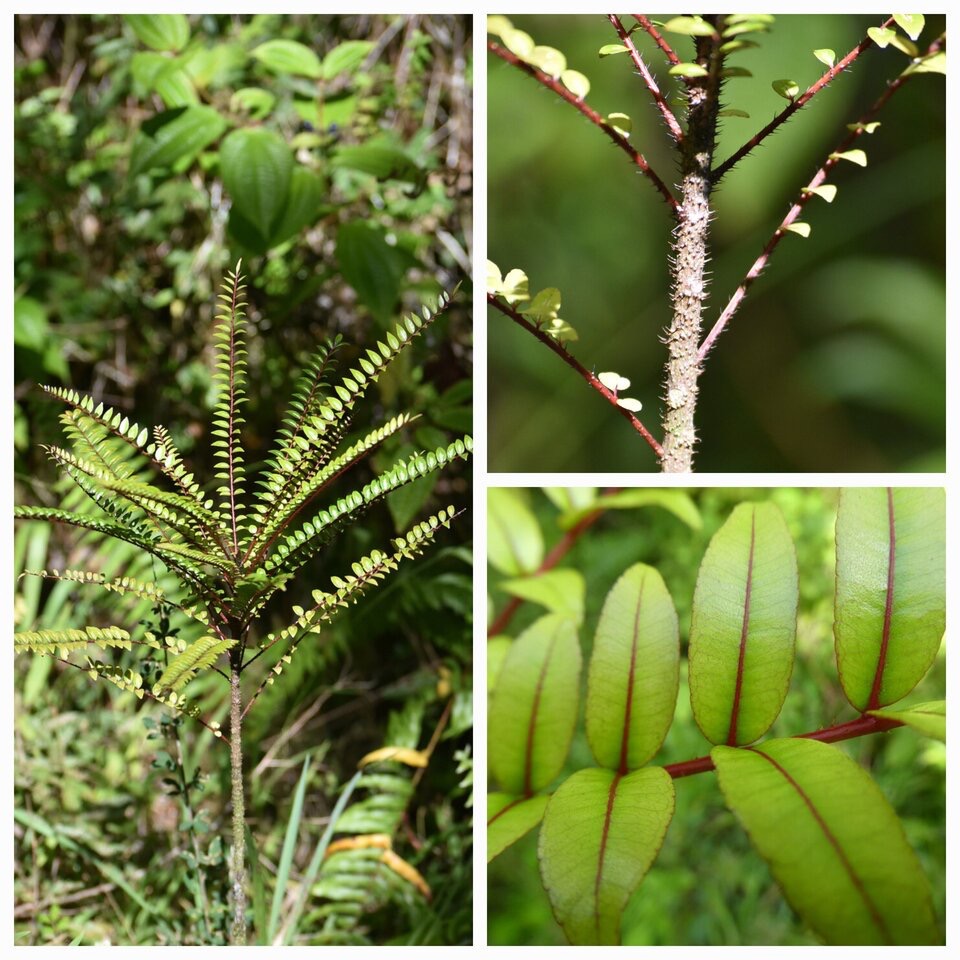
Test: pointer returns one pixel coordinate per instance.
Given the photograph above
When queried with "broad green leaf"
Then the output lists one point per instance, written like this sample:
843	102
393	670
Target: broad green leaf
689	70
831	839
890	607
788	89
534	707
675	501
160	31
30	326
576	82
743	625
304	201
288	56
928	718
689	27
256	165
858	157
548	59
634	671
510	818
910	23
826	191
175	87
174	137
610	49
560	591
345	58
497	648
514	540
382	162
798	226
600	834
571	498
254	100
826	55
372	266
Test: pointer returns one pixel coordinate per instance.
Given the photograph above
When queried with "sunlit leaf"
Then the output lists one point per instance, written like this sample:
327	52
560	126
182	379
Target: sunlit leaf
551	61
689	27
928	718
688	70
799	227
732	112
514	540
609	49
630	403
621	123
509	818
559	591
826	191
788	89
826	55
858	157
345	57
576	83
160	31
288	56
613	381
910	23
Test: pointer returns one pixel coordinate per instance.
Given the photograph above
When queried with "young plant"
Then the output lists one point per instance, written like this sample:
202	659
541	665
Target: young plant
233	547
701	55
831	838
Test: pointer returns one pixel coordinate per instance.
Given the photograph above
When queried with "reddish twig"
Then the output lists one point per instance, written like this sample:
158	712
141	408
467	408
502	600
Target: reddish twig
759	265
668	115
795	105
572	362
860	727
561	91
561	549
656	36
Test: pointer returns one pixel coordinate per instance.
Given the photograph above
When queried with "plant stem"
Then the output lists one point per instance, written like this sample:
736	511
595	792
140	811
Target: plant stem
689	250
238	879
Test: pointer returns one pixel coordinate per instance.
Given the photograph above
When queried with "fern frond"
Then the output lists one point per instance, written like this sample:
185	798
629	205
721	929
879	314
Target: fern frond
185	666
125	586
296	548
62	642
230	376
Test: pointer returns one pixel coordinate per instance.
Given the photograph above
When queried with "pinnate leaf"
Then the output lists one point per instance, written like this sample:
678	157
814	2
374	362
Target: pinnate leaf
890	607
831	839
743	625
600	834
510	818
534	706
634	671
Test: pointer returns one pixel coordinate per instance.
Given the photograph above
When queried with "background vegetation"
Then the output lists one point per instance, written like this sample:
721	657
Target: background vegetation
836	359
117	263
709	886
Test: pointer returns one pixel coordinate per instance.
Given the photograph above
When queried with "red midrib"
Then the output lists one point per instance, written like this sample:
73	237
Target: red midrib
628	706
532	724
874	702
509	806
611	798
851	873
744	629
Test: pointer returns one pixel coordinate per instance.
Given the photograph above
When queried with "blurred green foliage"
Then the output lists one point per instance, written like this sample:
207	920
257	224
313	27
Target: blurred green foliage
117	260
708	886
836	359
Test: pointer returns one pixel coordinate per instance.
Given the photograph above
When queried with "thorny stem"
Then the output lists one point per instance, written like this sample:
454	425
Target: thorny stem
568	359
669	118
656	37
759	265
238	879
561	91
689	251
795	105
560	550
860	727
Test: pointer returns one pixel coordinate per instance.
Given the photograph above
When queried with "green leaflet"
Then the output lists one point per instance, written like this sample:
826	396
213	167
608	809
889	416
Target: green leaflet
675	501
497	649
634	671
510	818
185	666
890	606
928	718
174	137
600	834
288	56
560	591
514	540
61	642
743	625
833	842
534	706
160	31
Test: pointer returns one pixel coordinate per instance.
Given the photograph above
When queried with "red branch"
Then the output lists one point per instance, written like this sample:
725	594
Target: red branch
795	105
561	91
568	359
562	548
668	115
656	37
860	727
759	265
